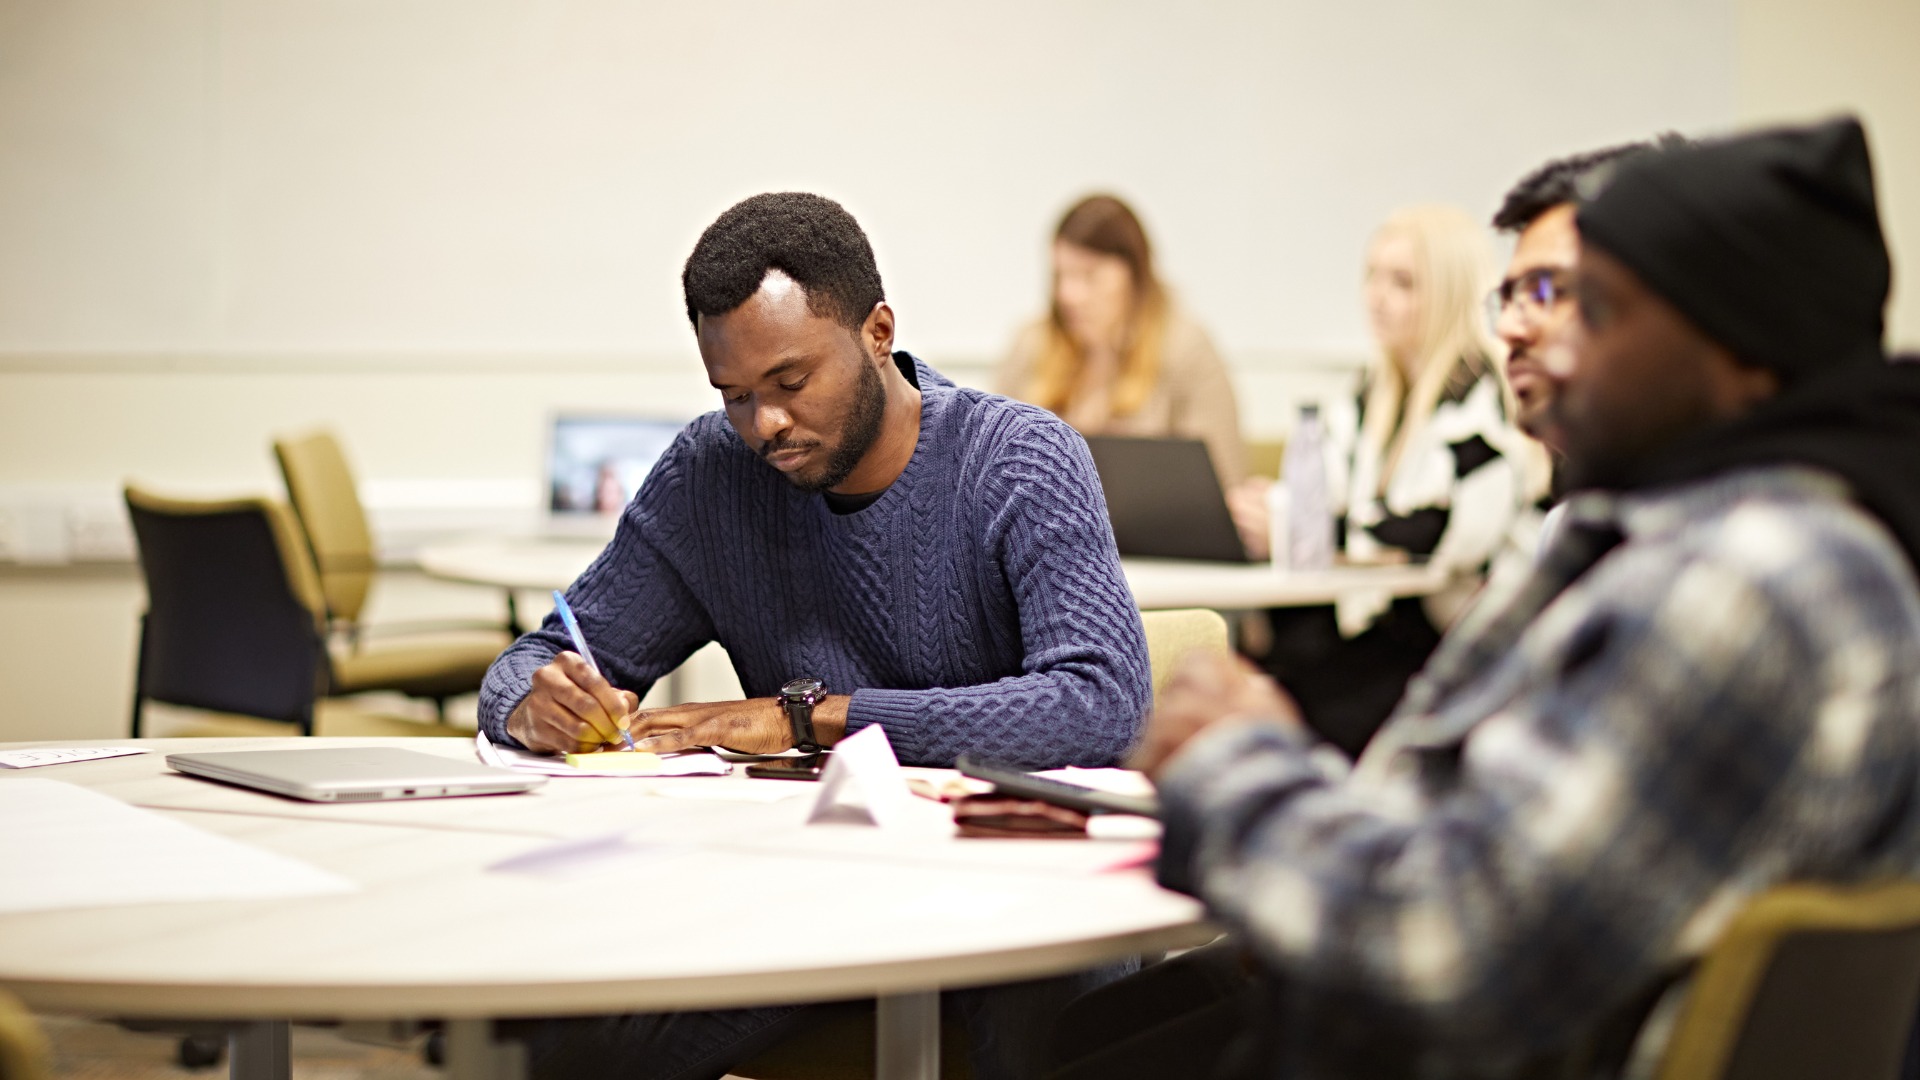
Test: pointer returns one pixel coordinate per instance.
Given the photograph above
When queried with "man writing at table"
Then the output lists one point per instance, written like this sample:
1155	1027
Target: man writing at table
938	559
1707	684
873	546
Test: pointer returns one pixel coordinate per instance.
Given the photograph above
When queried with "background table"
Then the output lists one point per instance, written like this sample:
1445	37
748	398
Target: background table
677	921
1182	583
1157	583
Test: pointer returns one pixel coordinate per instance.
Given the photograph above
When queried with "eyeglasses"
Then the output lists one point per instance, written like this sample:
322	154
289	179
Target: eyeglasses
1534	293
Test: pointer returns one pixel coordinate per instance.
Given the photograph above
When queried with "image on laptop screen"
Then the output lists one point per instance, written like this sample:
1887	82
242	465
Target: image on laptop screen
596	463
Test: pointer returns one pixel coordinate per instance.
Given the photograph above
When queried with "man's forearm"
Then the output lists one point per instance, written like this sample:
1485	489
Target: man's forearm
1044	720
507	684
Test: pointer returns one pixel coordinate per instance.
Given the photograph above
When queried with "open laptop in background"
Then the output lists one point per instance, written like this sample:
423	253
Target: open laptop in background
595	464
1164	499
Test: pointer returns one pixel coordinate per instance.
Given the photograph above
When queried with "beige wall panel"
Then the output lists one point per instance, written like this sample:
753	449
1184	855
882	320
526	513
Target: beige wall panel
67	642
1802	60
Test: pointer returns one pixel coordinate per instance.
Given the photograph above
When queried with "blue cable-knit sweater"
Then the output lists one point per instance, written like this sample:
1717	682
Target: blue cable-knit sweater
977	605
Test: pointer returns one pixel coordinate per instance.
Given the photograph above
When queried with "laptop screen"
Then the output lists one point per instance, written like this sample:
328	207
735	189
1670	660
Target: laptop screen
596	463
1164	499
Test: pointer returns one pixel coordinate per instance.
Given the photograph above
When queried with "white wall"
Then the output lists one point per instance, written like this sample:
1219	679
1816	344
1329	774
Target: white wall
492	176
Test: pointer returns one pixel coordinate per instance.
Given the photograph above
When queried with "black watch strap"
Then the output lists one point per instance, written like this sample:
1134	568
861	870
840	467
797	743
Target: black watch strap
798	697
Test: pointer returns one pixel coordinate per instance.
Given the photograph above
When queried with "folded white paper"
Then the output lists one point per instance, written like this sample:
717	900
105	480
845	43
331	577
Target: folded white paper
66	846
862	783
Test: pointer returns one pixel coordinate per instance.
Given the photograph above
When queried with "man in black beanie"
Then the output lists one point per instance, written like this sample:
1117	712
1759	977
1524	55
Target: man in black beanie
1707	684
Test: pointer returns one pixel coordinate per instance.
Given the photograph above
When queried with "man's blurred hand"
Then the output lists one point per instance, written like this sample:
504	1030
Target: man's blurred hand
1208	689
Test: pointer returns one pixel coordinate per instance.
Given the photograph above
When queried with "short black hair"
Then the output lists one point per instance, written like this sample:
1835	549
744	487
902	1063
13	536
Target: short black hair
1568	180
809	238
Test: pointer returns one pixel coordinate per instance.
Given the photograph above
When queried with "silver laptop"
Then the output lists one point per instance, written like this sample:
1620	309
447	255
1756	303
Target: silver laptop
353	774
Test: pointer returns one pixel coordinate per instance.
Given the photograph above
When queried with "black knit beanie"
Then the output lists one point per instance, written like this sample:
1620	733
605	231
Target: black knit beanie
1769	242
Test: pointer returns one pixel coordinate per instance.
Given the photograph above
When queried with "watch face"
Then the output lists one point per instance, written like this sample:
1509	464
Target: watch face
804	686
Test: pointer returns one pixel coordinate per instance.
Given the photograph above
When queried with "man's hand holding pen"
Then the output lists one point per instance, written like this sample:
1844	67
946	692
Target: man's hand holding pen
572	709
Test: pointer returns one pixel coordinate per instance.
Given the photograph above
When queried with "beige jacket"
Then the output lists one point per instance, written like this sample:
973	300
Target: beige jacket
1192	400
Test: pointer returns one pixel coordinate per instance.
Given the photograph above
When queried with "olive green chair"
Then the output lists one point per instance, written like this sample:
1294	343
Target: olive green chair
326	504
1264	457
235	621
1807	981
1172	634
23	1049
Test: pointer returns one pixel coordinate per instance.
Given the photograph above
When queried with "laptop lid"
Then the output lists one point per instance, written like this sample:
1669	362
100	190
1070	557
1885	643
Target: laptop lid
1164	499
353	773
595	464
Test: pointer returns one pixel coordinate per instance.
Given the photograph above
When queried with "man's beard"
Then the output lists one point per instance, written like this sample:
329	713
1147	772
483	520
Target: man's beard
858	433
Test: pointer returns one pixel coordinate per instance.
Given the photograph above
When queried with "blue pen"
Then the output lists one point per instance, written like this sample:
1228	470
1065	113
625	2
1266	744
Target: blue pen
580	646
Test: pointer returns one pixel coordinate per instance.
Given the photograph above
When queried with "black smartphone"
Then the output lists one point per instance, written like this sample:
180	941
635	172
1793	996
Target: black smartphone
805	767
1025	785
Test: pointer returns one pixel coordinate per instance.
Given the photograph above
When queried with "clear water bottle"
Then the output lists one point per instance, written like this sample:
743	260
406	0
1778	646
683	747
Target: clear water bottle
1309	511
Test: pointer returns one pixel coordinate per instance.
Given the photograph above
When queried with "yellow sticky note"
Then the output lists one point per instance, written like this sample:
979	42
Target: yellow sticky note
638	761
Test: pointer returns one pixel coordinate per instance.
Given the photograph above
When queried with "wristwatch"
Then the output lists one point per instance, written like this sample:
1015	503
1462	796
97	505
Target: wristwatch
798	697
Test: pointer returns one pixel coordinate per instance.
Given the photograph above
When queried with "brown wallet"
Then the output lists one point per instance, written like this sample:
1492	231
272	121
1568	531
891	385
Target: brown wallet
1003	817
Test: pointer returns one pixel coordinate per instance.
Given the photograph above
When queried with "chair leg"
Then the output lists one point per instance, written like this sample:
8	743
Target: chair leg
307	709
139	678
195	1052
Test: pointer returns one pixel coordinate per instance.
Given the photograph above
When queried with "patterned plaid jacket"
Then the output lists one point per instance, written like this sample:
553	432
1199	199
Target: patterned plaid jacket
1693	694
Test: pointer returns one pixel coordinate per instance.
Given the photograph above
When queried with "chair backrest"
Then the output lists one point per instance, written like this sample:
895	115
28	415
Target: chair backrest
1808	980
1264	457
1173	634
234	619
328	504
23	1049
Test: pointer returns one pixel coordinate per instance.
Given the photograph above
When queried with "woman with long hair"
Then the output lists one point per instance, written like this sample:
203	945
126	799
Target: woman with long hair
1426	464
1115	355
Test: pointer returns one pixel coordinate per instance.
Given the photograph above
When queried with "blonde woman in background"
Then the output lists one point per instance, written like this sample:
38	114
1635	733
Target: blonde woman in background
1427	464
1115	355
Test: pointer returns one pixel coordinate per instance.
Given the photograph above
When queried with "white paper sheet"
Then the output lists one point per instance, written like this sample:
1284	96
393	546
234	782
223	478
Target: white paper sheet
1116	781
686	763
61	755
65	846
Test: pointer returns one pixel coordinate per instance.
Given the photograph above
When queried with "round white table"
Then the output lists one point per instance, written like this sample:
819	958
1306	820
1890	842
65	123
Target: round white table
694	909
1157	583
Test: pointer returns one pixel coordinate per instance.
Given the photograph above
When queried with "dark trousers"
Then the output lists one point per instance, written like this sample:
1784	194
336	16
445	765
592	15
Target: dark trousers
1181	1017
1346	687
1008	1027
